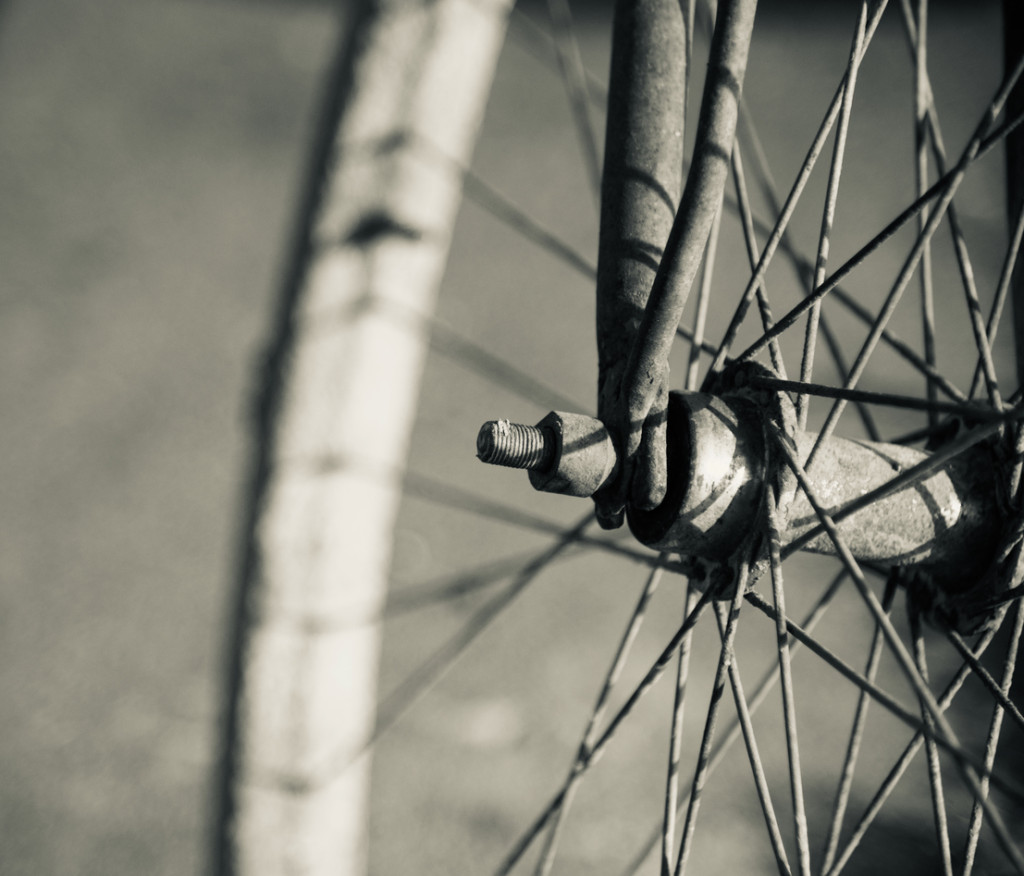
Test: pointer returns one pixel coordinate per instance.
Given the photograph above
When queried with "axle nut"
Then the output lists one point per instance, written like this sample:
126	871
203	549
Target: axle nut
584	456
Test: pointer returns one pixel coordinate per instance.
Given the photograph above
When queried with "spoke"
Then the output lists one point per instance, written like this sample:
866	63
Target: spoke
653	674
899	346
703	299
547	858
703	757
903	761
413	597
907	716
981	338
863	411
803	268
786	213
788	696
428	673
441	493
1002	289
927	116
943	188
705	346
768	185
505	211
932	750
977	321
574	77
893	298
921	100
501	208
538	41
856	736
675	745
894	341
753	755
437	665
448	342
764	687
434	490
994	688
747	220
840	665
947	738
805	274
828	213
974	829
889	399
1008	596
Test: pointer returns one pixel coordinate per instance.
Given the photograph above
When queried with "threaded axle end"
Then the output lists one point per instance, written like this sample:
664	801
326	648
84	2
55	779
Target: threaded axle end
514	445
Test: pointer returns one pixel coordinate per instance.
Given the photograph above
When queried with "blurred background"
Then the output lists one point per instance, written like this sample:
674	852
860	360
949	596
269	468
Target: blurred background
151	154
151	159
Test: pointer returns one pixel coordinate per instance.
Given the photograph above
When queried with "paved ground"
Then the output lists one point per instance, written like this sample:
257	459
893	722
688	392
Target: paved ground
149	158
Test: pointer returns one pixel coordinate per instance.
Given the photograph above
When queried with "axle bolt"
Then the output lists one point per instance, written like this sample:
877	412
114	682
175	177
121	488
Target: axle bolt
500	442
571	454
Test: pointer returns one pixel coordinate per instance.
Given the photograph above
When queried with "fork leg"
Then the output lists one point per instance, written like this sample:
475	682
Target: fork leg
641	186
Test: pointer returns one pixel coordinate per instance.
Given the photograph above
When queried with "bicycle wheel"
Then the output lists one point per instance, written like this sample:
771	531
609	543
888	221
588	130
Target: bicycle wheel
512	712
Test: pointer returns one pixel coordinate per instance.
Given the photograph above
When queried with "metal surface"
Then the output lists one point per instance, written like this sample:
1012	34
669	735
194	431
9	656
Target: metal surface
641	186
565	453
514	445
947	524
636	418
716	471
